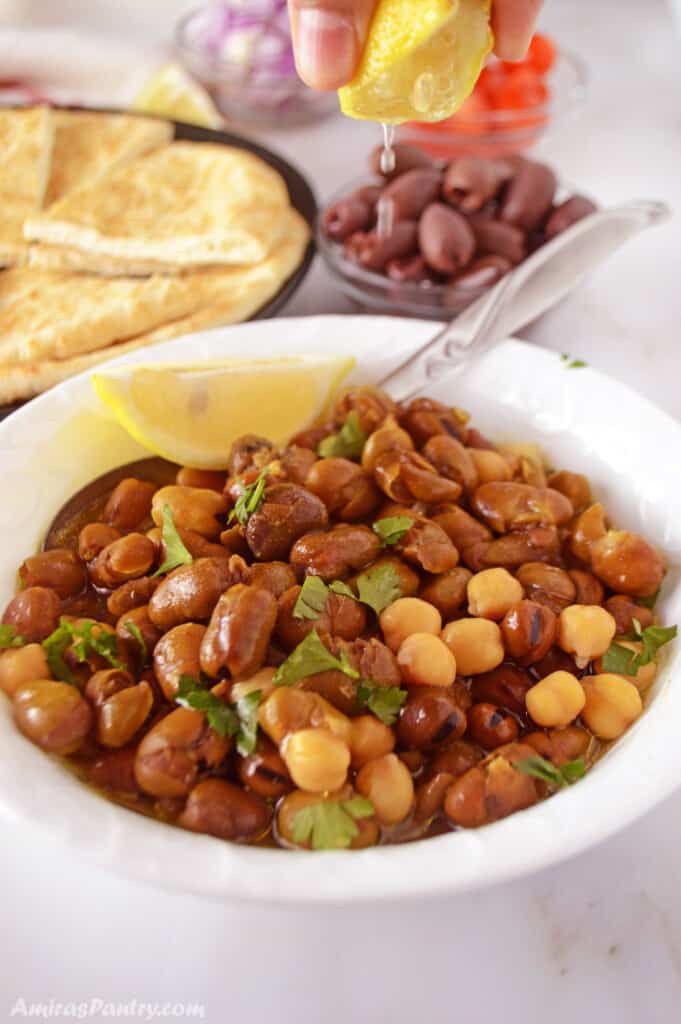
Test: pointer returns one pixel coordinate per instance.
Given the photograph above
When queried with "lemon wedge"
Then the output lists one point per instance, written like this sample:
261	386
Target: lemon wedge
191	414
422	59
172	93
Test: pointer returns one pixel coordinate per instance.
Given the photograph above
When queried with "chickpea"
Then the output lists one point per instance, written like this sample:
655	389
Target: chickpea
490	466
33	612
492	592
447	591
289	710
645	676
263	680
529	631
222	809
476	644
387	783
505	686
425	660
93	538
20	665
612	705
369	739
264	771
556	700
406	616
52	715
317	759
490	726
289	808
627	563
122	714
177	654
193	508
585	631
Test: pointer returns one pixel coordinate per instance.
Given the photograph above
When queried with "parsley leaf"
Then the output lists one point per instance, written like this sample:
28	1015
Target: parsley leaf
539	768
220	716
310	657
10	638
649	602
55	646
384	701
343	589
85	639
176	552
392	529
133	629
311	599
572	364
620	659
250	500
330	824
247	713
348	443
379	587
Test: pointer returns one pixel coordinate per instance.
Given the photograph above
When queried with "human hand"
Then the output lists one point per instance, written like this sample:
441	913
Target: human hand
329	35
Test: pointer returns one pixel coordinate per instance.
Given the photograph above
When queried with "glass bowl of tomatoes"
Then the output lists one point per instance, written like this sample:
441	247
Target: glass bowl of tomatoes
511	107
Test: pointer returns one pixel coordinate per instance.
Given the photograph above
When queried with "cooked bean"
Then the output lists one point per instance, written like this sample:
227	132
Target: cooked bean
224	810
57	569
105	683
555	660
588	590
34	613
190	592
589	527
93	538
490	467
388	437
509	506
627	563
447	592
537	544
371	404
239	631
560	745
138	617
431	716
250	452
171	754
427	545
347	491
122	714
264	771
132	594
409	580
177	654
462	529
317	759
20	665
122	560
198	546
504	686
452	460
334	555
206	479
406	476
492	790
296	463
129	504
529	630
547	585
491	726
342	617
52	715
193	508
574	486
115	770
277	577
286	514
426	417
624	610
373	660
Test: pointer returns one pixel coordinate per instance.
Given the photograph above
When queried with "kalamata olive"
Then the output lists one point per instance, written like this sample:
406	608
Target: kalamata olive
471	181
411	192
588	527
406	159
624	610
369	194
479	275
336	554
277	577
446	238
494	238
374	251
560	745
529	631
406	477
115	770
287	512
504	686
568	213
137	619
133	594
347	491
190	592
192	508
371	405
345	217
177	654
426	545
224	810
33	612
529	195
627	563
264	771
124	559
431	716
412	269
574	486
425	417
93	538
208	479
547	585
58	569
239	632
447	591
129	503
510	505
493	789
588	590
52	715
171	754
452	460
341	617
490	727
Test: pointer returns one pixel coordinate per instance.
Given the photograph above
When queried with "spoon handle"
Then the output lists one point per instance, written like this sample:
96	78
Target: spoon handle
524	294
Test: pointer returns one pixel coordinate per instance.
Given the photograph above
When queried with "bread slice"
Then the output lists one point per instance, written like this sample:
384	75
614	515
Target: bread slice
26	138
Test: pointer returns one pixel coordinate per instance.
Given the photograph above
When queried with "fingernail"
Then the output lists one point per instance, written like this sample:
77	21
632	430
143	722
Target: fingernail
326	48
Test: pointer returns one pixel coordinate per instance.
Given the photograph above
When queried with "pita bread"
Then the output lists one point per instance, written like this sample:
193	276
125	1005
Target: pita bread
187	205
25	146
87	145
237	295
65	259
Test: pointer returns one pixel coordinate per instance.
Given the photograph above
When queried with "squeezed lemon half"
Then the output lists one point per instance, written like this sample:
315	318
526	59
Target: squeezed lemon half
191	415
172	93
422	59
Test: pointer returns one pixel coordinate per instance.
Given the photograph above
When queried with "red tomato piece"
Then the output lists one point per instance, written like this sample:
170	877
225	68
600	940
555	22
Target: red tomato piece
522	90
542	54
492	79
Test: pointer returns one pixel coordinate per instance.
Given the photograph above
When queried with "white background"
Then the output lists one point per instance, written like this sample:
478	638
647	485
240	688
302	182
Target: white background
599	936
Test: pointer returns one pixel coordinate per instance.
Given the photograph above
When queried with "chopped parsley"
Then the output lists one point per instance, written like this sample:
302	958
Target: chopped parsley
539	768
176	552
249	502
649	602
239	720
10	638
311	599
379	587
620	659
133	629
384	701
348	443
570	363
247	713
331	824
343	589
85	640
310	657
392	529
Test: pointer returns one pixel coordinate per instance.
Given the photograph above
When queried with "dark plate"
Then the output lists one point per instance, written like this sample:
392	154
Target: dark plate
302	198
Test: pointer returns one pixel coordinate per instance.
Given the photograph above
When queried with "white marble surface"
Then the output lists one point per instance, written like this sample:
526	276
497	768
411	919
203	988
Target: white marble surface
599	936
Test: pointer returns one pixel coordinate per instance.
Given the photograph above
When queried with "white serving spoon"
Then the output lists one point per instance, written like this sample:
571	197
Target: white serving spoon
524	294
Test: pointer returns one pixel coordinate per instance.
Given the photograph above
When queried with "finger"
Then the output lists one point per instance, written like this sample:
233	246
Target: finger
513	24
328	37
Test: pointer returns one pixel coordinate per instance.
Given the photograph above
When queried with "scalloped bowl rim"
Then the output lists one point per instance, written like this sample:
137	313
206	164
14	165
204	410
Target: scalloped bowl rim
584	419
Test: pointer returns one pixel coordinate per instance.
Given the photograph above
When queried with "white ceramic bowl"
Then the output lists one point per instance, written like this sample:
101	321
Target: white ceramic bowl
628	448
